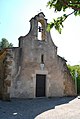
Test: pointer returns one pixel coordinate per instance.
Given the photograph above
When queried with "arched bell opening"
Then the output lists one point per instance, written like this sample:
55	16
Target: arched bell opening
41	30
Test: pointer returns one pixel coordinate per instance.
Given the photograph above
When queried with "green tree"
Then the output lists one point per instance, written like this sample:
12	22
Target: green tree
62	6
72	71
5	44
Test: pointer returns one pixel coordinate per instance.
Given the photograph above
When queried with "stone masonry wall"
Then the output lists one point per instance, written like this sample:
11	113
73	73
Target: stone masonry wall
69	85
2	71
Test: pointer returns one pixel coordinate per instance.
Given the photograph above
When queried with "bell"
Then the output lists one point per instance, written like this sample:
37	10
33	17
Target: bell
40	29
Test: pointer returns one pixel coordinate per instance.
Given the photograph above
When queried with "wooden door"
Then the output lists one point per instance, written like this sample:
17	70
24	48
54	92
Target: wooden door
40	85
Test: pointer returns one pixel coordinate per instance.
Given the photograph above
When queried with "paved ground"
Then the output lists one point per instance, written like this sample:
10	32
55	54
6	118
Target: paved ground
46	108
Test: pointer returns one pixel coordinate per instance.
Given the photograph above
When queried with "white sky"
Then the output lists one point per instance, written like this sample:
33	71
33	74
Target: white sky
14	22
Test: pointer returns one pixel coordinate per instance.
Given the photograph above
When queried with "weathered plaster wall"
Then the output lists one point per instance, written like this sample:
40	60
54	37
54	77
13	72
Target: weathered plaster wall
24	85
24	80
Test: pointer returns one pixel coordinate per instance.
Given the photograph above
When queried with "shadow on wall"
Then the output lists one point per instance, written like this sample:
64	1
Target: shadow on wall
29	108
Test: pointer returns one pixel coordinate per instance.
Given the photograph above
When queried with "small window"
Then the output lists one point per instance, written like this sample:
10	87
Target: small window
42	59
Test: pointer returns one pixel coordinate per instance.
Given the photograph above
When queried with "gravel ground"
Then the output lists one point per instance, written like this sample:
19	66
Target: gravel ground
44	108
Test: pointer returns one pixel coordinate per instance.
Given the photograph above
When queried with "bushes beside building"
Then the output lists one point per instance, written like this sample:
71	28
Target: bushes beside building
72	71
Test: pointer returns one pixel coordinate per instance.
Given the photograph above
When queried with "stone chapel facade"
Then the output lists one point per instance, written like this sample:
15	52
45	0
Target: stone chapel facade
34	69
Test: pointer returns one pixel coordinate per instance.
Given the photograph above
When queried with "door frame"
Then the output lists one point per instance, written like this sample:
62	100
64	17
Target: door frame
47	85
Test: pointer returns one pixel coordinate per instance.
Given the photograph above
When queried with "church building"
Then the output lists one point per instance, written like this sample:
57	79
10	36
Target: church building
34	69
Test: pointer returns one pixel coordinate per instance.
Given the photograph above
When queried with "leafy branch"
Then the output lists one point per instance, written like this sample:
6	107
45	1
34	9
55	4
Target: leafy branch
58	23
62	5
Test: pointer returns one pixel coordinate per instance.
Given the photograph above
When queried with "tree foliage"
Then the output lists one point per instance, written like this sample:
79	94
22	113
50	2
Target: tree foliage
72	71
5	44
62	6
